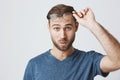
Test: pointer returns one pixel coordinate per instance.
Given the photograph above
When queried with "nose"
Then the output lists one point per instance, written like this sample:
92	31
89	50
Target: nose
63	34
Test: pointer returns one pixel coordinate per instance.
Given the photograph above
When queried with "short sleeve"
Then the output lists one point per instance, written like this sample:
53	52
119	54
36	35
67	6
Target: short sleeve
29	72
96	64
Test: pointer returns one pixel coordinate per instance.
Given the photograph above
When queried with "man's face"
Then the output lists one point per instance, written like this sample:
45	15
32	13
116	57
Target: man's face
62	31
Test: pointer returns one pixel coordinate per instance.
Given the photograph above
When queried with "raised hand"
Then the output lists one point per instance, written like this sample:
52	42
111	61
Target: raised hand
85	18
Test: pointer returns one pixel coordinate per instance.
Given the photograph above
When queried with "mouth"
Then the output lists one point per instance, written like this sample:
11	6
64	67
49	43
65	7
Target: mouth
63	42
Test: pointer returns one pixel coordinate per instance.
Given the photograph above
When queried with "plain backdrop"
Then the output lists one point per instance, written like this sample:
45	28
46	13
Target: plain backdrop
24	33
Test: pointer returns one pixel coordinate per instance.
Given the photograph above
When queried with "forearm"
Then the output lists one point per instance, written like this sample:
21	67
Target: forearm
111	46
108	42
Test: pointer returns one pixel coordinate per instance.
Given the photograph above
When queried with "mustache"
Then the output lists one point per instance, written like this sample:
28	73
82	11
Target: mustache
64	39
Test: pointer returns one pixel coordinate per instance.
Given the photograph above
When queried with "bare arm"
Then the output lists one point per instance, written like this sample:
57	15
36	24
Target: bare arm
111	46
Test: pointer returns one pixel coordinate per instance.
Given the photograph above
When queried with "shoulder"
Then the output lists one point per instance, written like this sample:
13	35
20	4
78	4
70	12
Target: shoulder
39	58
92	54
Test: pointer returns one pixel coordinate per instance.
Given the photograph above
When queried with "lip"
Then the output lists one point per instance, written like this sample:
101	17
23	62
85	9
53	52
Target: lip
63	42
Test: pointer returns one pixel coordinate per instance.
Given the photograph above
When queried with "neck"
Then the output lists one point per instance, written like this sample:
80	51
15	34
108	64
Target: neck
61	55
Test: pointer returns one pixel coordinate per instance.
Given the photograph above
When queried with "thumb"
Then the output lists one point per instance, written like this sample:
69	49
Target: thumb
78	17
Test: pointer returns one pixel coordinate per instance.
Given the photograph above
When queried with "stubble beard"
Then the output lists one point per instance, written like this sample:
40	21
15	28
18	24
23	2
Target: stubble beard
64	48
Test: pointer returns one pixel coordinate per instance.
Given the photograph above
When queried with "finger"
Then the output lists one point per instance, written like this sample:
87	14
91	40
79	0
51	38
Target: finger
83	12
86	10
78	14
77	17
74	12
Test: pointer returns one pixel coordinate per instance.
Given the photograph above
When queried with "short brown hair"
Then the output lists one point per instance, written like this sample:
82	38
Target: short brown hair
60	9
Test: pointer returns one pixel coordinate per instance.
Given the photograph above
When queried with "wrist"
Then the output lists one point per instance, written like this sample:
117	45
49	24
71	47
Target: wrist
93	26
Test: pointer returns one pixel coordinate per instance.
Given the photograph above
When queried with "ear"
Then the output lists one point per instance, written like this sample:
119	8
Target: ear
76	25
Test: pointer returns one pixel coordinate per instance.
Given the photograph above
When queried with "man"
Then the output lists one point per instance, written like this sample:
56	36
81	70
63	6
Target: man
63	61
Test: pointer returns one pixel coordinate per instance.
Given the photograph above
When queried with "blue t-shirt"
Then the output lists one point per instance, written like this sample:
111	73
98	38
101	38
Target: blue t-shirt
78	66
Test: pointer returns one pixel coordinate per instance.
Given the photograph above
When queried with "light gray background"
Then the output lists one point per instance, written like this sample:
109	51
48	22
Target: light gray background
24	33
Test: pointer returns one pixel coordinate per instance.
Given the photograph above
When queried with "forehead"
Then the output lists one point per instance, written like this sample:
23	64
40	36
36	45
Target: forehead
62	19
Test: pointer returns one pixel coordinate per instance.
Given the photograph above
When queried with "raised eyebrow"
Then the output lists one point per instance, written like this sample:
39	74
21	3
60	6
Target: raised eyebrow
68	25
55	25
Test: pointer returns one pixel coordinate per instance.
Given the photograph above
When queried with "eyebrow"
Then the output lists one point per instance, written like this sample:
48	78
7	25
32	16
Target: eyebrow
55	25
68	25
64	25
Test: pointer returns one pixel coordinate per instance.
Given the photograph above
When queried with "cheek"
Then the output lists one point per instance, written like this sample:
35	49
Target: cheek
71	35
54	35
